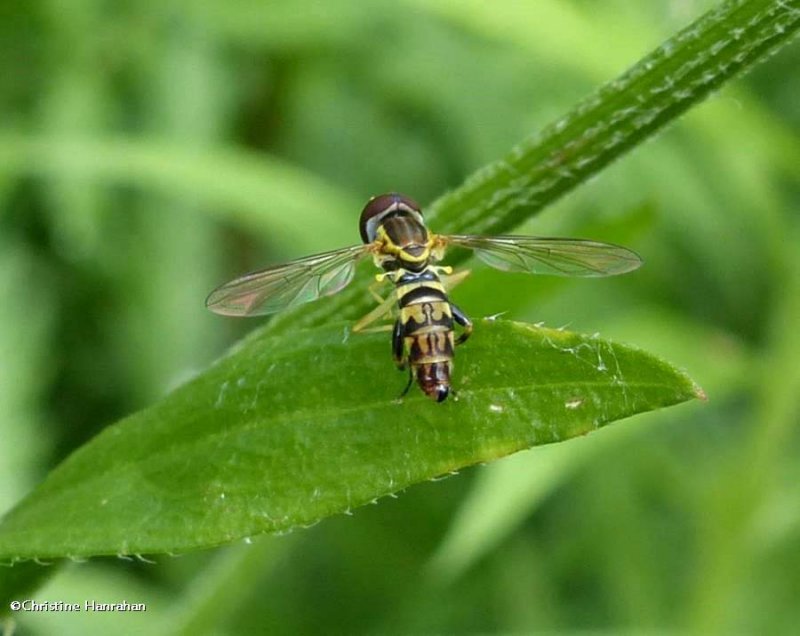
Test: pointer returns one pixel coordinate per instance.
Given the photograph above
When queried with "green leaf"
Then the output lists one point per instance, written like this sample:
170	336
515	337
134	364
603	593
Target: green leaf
239	180
621	114
288	430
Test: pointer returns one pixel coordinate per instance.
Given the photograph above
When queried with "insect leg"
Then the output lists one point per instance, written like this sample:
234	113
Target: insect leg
376	314
461	318
398	346
373	291
452	280
410	381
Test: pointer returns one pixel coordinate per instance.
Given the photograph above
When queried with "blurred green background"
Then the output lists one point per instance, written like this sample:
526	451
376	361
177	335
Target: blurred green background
149	151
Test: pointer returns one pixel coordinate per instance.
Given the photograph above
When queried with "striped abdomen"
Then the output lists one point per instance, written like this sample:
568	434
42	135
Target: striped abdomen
424	333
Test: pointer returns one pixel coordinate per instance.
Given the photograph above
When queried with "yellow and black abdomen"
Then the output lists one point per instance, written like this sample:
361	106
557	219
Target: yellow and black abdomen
423	334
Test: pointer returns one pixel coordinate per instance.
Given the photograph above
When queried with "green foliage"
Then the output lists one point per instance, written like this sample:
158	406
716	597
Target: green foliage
226	177
150	151
288	430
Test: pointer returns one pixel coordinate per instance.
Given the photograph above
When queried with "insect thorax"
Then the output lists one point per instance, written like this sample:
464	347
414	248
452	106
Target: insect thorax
406	244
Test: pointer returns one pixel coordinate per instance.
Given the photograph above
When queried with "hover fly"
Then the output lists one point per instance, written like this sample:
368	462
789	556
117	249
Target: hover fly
394	234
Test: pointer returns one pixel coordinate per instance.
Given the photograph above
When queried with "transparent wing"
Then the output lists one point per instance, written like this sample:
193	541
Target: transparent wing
283	286
557	256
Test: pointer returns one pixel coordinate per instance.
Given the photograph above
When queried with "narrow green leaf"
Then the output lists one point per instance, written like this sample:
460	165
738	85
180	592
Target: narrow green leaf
288	430
616	118
654	92
217	595
260	191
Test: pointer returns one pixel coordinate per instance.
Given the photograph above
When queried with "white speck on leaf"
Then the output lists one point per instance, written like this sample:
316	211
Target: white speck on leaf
221	397
494	317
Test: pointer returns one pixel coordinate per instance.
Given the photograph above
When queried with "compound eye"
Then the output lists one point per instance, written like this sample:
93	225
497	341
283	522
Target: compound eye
378	207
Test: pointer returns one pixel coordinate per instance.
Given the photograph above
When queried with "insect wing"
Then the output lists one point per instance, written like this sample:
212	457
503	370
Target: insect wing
277	288
556	256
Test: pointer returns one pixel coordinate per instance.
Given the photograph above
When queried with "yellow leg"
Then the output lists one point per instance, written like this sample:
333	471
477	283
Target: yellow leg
376	314
453	280
386	305
373	290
